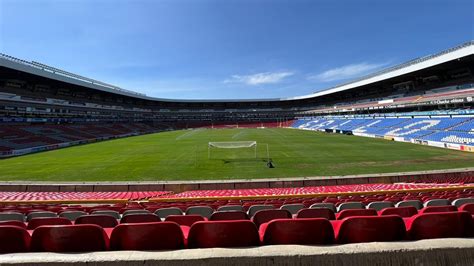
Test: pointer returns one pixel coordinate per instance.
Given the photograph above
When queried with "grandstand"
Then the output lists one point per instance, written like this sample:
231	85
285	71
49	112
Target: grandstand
426	101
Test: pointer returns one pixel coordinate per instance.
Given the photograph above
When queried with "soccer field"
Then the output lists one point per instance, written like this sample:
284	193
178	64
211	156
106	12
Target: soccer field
183	155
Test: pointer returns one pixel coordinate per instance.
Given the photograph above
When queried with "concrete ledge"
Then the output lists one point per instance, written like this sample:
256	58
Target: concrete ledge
450	251
185	185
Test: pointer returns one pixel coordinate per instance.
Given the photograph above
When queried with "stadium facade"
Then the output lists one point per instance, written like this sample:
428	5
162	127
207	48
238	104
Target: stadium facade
48	108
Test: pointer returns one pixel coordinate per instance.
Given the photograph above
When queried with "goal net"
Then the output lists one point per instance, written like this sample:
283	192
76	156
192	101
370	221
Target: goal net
249	149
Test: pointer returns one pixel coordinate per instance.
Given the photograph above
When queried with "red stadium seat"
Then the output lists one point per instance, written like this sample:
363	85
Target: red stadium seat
15	223
265	216
147	236
355	212
186	220
228	215
469	207
358	229
447	208
440	225
14	239
140	218
407	211
316	213
35	222
104	221
69	238
212	234
302	231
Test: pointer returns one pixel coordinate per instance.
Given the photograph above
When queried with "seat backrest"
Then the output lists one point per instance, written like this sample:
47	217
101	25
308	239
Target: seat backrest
204	211
440	225
212	234
358	229
186	220
35	222
303	231
316	213
12	216
469	207
292	208
114	214
14	239
127	212
255	208
459	202
380	205
415	203
104	221
355	212
327	205
69	238
405	212
14	223
350	206
228	215
265	216
445	208
147	236
436	202
164	212
230	208
140	218
32	215
72	215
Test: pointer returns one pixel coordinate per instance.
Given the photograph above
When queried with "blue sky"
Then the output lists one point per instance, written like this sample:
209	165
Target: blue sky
229	49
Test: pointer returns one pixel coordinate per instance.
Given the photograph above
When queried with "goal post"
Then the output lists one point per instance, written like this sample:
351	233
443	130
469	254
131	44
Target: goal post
231	145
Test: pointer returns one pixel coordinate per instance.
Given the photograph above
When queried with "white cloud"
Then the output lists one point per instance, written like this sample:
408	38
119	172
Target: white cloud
259	78
347	71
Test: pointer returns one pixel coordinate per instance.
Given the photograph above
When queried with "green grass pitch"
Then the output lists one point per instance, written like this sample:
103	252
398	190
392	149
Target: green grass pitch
183	155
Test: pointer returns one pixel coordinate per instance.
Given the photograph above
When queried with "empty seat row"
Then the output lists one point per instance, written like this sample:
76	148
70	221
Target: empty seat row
260	217
238	233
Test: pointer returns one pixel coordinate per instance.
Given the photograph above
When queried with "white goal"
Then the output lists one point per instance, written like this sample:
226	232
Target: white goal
232	145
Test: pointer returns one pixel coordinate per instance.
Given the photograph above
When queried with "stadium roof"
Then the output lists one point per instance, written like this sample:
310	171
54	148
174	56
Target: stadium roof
46	71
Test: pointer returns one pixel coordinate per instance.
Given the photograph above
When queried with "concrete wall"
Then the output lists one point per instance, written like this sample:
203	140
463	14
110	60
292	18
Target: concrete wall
179	186
450	251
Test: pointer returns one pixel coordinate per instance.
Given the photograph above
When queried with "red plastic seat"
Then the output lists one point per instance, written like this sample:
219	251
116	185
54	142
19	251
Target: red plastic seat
358	229
355	212
265	216
147	236
14	223
228	215
35	222
14	239
469	207
186	220
447	208
212	234
407	211
104	221
140	218
301	231
440	225
69	238
316	213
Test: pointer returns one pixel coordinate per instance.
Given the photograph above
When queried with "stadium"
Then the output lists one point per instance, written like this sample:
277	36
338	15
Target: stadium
376	170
